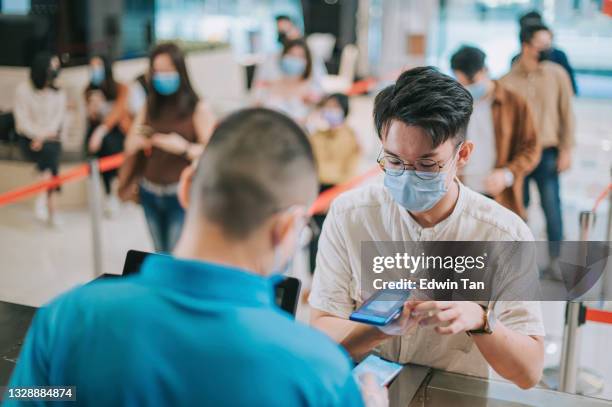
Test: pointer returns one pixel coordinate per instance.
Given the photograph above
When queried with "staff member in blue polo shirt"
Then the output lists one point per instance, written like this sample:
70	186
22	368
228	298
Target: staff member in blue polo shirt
201	328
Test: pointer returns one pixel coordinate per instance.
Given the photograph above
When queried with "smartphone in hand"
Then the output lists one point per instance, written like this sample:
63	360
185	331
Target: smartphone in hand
381	308
383	370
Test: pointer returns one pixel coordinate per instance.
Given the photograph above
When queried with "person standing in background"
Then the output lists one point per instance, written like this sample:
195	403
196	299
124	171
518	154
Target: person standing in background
40	110
286	29
336	151
108	120
170	132
293	92
269	69
552	54
548	91
502	130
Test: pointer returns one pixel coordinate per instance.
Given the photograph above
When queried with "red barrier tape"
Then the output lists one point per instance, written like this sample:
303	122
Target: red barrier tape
114	161
106	164
601	197
597	315
321	204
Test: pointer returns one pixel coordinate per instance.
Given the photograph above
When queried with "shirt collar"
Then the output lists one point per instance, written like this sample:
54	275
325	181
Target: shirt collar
499	93
207	280
519	67
436	229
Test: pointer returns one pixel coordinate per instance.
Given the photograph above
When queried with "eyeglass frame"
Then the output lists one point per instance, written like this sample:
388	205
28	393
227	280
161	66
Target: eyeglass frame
406	164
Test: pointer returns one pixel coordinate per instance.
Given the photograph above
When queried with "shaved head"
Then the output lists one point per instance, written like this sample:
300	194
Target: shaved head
258	162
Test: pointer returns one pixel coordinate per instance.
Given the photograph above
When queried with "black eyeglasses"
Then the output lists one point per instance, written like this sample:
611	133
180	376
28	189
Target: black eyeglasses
424	168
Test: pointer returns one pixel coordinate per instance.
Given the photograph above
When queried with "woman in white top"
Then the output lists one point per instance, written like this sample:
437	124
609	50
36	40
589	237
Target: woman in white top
293	91
39	113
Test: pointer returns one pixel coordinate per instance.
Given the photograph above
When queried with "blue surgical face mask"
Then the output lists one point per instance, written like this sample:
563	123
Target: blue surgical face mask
283	258
334	117
97	75
166	83
416	194
478	90
292	66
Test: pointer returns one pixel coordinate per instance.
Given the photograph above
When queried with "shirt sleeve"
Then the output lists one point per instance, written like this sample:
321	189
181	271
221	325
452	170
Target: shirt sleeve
332	278
566	111
524	317
59	114
23	122
33	364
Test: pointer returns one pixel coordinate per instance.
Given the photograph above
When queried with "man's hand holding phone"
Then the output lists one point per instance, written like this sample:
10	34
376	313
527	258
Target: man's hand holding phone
403	323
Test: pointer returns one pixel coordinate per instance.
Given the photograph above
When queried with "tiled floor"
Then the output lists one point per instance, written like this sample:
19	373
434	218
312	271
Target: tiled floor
38	263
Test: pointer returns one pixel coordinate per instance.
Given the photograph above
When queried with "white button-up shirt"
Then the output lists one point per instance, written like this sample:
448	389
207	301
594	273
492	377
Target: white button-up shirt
370	214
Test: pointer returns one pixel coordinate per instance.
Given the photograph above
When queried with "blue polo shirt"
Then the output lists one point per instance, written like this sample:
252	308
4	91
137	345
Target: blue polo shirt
183	333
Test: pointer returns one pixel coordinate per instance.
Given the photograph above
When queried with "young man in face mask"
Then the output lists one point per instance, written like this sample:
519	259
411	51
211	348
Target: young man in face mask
548	91
201	327
421	121
502	130
553	54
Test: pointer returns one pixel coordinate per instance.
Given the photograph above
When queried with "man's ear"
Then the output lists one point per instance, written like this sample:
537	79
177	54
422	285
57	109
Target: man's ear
184	186
282	223
464	153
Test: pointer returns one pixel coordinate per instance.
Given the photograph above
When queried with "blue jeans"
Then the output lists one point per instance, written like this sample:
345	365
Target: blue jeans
547	180
165	218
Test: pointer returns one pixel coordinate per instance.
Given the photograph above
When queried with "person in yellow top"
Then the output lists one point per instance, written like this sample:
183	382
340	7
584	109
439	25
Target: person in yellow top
335	148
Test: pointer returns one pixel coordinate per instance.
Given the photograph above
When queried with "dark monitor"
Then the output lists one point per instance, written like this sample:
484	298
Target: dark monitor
14	322
287	291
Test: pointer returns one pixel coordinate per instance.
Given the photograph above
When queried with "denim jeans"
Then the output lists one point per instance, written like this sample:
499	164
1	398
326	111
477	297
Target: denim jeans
547	180
165	218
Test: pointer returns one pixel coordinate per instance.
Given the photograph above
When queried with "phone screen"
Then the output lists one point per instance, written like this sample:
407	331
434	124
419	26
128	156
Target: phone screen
384	303
382	369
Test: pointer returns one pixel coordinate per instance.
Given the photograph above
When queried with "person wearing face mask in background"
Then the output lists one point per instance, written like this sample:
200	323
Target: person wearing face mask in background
292	92
40	112
108	120
502	130
170	132
548	91
336	150
421	121
246	205
552	54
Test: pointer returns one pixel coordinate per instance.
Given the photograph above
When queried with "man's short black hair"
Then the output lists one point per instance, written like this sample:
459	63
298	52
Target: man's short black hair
283	17
532	17
528	31
426	98
468	60
256	163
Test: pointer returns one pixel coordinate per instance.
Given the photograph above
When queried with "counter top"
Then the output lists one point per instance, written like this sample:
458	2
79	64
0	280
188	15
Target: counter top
419	386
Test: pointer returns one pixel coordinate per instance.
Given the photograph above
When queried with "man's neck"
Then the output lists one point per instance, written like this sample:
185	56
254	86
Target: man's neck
208	244
441	210
528	64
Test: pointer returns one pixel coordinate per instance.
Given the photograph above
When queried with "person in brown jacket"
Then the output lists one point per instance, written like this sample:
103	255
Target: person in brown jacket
548	90
502	130
108	119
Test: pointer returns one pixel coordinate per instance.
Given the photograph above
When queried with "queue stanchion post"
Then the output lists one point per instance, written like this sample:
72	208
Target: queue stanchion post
609	230
575	313
95	215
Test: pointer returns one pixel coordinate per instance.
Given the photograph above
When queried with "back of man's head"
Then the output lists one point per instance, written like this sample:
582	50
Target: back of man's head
468	60
258	162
